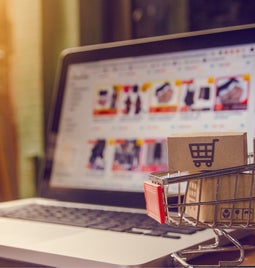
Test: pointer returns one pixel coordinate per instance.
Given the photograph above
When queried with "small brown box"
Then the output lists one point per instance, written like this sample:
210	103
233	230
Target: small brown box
207	151
215	201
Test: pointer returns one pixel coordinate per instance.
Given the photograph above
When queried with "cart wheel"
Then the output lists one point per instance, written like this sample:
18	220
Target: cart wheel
197	163
209	164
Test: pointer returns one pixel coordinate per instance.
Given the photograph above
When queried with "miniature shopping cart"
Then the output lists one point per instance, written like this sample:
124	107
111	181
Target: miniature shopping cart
203	153
223	200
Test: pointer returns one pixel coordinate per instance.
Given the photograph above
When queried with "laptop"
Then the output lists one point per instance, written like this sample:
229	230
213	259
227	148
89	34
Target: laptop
115	104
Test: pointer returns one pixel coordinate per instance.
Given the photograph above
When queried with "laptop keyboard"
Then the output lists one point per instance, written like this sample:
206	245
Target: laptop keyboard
97	219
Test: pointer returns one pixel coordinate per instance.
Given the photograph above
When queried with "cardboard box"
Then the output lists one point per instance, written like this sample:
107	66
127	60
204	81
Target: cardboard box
219	193
207	151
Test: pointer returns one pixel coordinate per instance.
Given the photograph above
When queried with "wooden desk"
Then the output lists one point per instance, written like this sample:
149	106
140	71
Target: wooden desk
5	263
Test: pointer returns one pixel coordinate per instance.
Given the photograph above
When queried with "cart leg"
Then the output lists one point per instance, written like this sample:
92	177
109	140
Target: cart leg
180	260
238	245
201	248
218	233
216	243
215	247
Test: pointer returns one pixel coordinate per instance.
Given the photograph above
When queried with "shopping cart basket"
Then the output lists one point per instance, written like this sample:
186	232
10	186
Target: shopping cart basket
228	195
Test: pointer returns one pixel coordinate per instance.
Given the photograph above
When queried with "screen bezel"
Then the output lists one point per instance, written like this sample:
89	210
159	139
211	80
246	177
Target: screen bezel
237	35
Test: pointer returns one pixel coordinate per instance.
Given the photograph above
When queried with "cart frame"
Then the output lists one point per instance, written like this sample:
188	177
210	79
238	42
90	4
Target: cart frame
164	185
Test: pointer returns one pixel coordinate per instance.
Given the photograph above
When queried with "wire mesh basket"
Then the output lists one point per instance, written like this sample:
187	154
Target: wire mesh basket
222	200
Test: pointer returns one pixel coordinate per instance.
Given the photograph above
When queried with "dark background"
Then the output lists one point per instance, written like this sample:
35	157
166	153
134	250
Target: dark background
130	19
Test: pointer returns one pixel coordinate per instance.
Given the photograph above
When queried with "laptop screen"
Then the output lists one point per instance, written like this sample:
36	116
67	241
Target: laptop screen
117	103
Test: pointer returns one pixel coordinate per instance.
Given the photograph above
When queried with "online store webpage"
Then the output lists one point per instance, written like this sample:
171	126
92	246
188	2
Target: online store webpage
117	114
